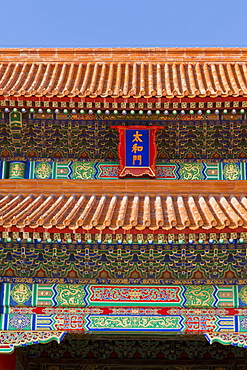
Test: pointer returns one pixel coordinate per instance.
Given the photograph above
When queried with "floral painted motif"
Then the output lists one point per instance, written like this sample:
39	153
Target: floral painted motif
20	321
141	294
227	338
135	322
166	171
21	293
70	295
22	338
108	171
243	323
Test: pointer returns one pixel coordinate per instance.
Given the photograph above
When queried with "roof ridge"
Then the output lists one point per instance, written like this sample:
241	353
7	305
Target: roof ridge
124	54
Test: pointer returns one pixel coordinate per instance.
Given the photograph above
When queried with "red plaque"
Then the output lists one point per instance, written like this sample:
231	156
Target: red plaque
137	150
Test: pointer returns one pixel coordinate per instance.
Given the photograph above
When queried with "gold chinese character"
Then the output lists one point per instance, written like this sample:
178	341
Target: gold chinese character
137	158
136	148
137	137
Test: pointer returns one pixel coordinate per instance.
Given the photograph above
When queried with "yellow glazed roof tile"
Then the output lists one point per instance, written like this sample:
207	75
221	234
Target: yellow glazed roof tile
126	211
157	72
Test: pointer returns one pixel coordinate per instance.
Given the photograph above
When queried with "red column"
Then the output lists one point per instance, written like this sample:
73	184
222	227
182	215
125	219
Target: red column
8	362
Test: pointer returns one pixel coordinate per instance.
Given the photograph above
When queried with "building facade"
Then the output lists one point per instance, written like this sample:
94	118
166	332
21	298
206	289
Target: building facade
123	209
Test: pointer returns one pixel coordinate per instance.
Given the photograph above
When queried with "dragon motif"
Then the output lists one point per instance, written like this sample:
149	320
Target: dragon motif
43	170
21	293
231	171
70	295
199	296
83	170
243	294
191	171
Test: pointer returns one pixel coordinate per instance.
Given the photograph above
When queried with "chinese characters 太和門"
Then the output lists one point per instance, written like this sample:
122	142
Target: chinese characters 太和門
137	148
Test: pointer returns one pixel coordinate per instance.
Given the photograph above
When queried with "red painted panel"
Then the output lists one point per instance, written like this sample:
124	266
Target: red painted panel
8	362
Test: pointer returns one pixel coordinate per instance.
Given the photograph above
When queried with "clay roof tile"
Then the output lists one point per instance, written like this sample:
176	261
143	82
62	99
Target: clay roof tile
122	211
31	219
134	211
171	212
183	212
86	210
63	211
222	218
234	217
239	208
74	211
45	218
212	222
159	211
123	72
128	212
21	216
195	212
239	70
10	217
98	211
109	214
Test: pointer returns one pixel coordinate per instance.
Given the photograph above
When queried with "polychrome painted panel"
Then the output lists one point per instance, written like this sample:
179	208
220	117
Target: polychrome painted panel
79	295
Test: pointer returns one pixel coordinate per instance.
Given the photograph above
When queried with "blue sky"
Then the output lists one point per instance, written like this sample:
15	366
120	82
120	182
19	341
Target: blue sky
116	23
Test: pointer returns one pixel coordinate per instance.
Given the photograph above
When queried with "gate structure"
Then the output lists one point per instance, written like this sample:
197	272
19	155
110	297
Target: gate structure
123	209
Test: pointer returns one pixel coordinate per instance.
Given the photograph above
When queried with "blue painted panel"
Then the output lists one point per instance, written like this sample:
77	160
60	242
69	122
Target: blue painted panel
137	148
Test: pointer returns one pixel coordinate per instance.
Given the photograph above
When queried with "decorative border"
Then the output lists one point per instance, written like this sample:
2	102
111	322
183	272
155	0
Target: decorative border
234	339
39	313
87	170
201	171
165	299
10	340
126	104
41	280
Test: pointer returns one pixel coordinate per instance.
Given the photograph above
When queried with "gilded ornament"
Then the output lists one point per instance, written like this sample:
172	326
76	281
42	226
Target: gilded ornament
135	322
43	170
23	338
21	293
231	171
191	171
70	295
83	170
16	170
19	321
243	294
15	120
199	296
243	323
140	294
